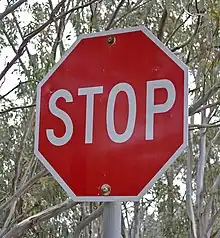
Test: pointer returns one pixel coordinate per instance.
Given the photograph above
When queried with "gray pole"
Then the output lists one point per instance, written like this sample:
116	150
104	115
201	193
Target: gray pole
112	220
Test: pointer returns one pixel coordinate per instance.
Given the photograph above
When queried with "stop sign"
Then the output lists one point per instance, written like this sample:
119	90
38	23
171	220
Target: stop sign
111	115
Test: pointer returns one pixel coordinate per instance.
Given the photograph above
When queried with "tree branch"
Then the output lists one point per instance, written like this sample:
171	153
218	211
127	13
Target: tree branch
22	37
212	221
8	219
15	179
36	219
209	203
114	14
175	30
136	6
14	49
216	184
21	190
26	40
60	29
75	9
212	143
207	106
17	86
189	13
11	9
95	214
16	108
199	126
204	99
190	39
189	202
162	24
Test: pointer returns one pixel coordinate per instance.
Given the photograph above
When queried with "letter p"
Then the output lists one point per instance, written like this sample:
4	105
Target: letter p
153	108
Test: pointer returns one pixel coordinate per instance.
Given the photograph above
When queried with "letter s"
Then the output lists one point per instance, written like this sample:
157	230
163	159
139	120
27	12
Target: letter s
59	141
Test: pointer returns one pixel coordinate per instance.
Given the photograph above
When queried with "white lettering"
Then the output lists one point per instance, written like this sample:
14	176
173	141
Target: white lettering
59	141
90	92
157	108
127	88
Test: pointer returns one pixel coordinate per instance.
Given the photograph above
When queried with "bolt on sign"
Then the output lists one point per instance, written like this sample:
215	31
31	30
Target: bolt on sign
112	115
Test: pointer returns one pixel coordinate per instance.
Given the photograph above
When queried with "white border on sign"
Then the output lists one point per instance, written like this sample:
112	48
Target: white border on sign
169	162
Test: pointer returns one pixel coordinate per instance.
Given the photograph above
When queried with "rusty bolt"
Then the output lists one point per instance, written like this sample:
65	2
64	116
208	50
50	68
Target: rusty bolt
105	189
111	40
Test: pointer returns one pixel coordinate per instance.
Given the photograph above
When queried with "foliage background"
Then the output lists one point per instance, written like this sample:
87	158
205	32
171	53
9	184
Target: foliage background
185	202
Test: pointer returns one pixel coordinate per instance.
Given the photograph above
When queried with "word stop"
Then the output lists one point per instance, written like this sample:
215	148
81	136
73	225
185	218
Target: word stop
90	92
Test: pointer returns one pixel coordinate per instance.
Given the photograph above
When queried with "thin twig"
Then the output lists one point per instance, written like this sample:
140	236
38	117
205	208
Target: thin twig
137	6
17	86
189	13
204	99
195	126
22	36
184	44
16	108
59	32
175	30
207	106
11	9
75	9
114	14
26	40
14	49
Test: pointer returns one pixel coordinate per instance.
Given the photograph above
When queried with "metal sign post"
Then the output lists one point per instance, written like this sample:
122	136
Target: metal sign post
112	220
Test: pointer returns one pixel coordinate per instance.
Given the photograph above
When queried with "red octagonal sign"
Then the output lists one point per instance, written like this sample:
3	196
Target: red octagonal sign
112	115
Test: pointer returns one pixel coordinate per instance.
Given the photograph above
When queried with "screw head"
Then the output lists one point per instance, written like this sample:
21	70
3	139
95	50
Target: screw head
105	189
111	40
